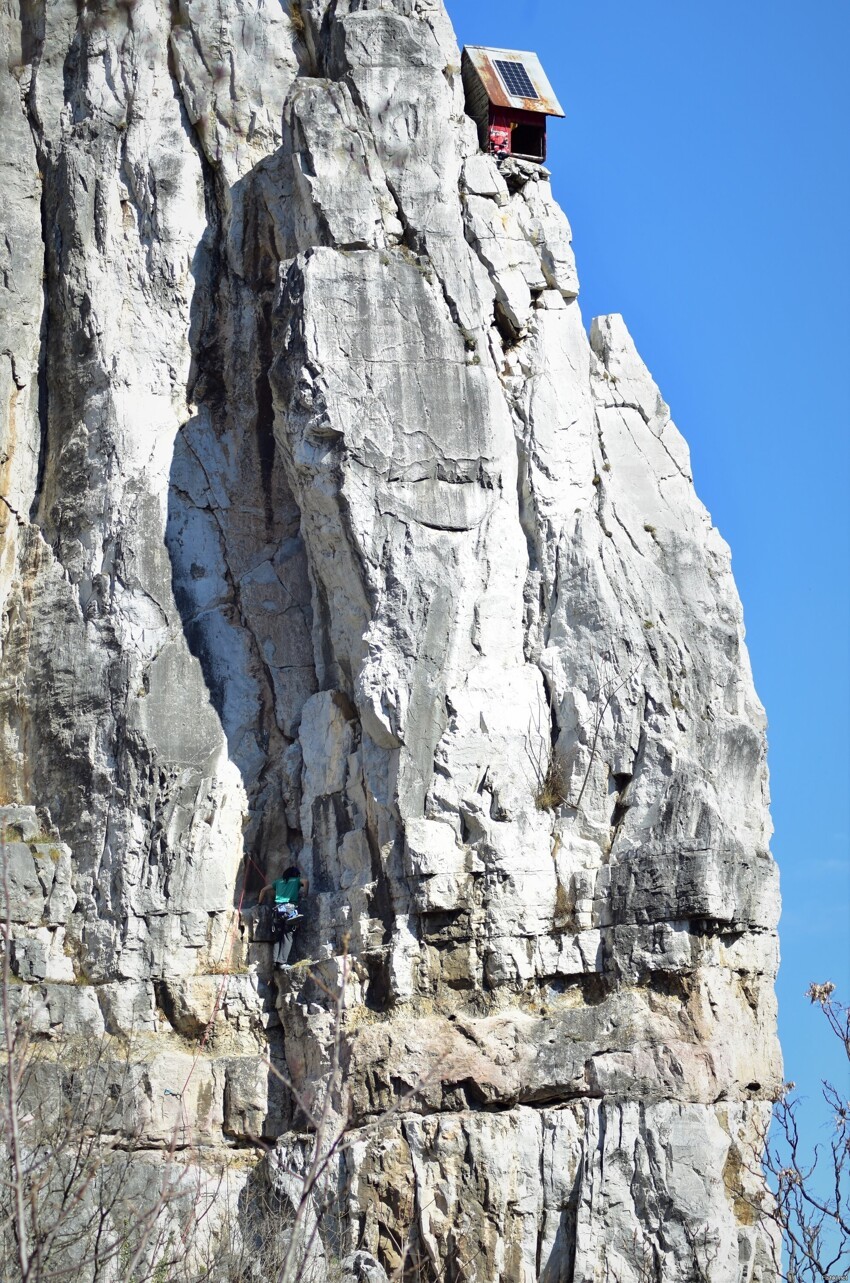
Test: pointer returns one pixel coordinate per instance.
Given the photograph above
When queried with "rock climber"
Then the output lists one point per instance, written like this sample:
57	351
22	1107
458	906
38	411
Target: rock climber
286	892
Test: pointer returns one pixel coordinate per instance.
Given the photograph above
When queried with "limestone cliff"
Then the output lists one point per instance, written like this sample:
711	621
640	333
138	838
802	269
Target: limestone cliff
330	536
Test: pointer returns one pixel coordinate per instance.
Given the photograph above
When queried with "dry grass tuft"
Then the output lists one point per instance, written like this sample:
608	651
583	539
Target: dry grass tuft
296	17
553	787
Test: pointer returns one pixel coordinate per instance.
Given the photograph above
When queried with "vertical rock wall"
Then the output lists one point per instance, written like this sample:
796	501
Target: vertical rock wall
331	537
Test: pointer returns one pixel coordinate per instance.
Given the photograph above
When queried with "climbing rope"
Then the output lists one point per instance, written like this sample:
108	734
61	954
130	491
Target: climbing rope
222	989
180	1096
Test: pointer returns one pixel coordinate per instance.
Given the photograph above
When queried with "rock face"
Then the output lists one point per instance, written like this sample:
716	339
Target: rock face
330	537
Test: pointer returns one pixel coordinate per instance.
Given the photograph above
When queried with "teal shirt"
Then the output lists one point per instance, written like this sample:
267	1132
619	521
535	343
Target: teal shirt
287	890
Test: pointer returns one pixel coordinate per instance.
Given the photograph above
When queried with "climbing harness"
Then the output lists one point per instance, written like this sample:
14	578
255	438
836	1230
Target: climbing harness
286	916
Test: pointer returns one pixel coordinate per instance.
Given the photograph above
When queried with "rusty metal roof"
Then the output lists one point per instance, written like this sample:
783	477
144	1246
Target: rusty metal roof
484	60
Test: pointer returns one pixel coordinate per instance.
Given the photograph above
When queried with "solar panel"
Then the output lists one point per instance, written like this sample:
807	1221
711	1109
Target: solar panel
516	78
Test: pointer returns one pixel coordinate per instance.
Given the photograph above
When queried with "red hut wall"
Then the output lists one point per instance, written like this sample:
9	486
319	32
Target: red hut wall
517	133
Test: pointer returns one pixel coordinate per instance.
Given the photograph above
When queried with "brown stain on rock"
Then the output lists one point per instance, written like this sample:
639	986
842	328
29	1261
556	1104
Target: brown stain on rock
733	1181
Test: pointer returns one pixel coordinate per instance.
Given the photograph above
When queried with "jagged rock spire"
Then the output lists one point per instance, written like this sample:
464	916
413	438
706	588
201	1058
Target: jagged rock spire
331	537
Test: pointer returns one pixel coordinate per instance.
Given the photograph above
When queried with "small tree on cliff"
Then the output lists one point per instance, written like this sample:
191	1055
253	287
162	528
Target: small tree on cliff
77	1200
810	1203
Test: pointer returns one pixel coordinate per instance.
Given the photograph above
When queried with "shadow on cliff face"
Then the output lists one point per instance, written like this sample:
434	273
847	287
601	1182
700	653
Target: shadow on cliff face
239	569
238	562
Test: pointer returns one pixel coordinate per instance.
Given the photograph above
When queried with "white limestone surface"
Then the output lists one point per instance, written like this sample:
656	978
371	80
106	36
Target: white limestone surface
331	537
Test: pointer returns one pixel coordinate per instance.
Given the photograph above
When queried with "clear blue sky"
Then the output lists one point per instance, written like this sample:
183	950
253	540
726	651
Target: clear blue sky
704	167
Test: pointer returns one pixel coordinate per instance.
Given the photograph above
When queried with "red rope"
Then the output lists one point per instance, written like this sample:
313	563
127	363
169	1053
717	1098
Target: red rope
222	987
256	866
